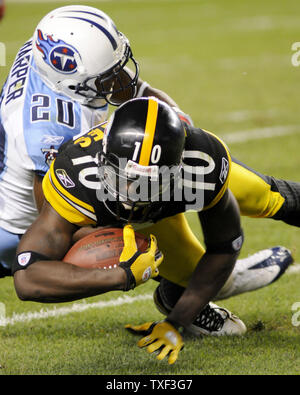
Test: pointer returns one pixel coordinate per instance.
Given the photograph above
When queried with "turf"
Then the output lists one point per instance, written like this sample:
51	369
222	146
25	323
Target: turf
228	64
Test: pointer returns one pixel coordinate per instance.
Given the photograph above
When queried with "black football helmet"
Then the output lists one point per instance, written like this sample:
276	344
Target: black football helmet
141	157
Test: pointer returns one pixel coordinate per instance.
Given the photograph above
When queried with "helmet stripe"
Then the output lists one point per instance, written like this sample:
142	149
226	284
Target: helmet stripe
88	12
149	132
106	32
98	16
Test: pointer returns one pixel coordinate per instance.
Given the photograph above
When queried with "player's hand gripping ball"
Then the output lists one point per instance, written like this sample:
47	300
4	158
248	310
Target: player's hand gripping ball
139	266
102	249
112	247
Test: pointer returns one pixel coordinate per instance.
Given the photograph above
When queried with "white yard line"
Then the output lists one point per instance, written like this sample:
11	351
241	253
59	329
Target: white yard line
260	133
80	307
73	308
293	269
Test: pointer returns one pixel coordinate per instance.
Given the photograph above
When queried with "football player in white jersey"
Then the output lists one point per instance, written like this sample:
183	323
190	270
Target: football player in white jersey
48	97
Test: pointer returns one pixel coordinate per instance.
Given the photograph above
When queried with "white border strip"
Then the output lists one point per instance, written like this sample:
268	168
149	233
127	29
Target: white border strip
80	307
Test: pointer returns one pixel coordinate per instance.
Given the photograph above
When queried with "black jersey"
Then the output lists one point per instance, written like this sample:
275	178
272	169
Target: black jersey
72	185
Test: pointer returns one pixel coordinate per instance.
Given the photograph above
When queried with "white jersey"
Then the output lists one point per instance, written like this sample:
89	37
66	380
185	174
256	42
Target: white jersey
34	122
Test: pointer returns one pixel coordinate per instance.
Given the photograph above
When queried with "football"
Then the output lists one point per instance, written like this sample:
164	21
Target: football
101	249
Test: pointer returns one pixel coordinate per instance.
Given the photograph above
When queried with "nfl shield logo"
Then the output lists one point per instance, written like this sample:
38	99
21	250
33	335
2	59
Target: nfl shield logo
24	258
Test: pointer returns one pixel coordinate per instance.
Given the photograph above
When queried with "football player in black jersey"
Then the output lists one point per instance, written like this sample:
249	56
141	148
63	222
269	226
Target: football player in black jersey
144	145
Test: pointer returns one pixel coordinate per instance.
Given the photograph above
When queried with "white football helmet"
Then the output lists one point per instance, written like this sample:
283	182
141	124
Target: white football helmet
79	52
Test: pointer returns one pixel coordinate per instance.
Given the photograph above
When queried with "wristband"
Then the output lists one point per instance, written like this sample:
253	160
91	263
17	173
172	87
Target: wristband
130	283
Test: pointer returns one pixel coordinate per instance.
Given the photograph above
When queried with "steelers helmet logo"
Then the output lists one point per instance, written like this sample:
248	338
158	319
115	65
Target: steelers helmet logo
62	59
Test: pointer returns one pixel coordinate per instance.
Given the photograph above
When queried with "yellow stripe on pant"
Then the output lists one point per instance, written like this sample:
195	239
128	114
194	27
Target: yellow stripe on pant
253	193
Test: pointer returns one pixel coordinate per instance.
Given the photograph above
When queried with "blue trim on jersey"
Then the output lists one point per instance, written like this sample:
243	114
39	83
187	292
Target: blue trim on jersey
2	136
106	32
44	118
2	149
49	119
2	92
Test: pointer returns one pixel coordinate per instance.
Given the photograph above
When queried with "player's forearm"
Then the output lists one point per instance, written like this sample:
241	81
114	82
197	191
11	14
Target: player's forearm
208	278
55	282
159	94
38	192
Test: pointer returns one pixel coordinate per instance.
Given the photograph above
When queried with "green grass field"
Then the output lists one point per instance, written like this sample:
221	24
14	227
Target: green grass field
228	64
